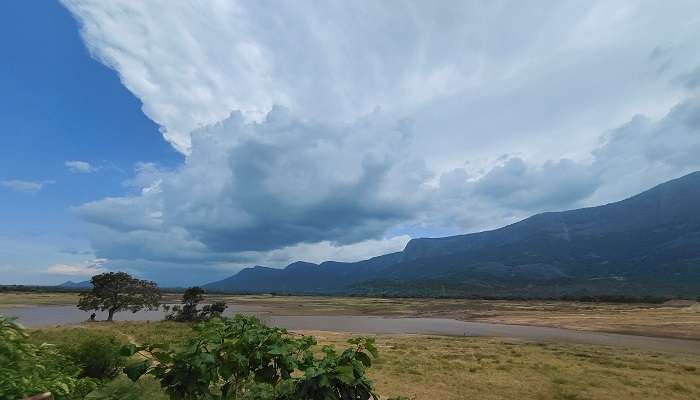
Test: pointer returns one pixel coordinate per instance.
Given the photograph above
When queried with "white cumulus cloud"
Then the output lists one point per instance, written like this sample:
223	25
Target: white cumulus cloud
22	186
81	269
80	167
540	77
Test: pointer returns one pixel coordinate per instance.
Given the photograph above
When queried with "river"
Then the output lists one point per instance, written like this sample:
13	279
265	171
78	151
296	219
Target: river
60	315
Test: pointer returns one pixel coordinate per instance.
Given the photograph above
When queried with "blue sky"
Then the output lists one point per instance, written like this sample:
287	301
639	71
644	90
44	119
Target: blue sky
182	142
59	104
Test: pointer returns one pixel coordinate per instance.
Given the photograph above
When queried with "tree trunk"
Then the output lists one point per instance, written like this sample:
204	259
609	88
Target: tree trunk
110	316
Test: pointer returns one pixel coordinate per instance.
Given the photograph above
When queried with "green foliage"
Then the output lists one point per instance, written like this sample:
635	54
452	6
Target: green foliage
97	354
214	309
119	291
193	296
339	376
241	358
27	369
122	388
237	358
189	312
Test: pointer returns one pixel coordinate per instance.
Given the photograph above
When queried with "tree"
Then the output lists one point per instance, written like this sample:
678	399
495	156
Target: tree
189	312
118	291
213	310
190	299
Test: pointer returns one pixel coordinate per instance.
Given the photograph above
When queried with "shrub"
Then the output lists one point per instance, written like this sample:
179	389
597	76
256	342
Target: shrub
122	388
27	369
98	355
214	310
241	358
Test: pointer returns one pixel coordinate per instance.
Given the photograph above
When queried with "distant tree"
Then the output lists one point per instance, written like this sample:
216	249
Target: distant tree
118	291
192	297
214	309
189	311
190	300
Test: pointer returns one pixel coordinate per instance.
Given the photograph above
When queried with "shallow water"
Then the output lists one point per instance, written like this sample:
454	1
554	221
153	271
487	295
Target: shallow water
451	327
61	315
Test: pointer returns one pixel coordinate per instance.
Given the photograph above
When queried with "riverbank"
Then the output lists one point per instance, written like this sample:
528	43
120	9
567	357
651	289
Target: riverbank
46	316
674	319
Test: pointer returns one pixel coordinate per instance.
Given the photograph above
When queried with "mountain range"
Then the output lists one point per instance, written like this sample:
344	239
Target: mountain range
646	245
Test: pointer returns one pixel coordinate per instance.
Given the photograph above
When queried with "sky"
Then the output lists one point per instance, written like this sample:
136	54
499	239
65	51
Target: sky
183	141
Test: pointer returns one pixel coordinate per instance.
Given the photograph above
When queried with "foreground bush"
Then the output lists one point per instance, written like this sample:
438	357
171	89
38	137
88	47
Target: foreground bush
237	358
241	358
98	355
122	388
27	369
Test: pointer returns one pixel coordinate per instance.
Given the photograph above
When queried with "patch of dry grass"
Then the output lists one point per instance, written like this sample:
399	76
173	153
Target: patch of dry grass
427	368
127	331
18	299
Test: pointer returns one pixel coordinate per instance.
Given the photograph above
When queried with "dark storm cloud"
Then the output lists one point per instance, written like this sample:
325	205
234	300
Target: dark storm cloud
554	185
250	188
263	186
690	80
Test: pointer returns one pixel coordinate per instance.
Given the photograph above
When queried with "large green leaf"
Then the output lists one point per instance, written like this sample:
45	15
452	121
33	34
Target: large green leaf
136	370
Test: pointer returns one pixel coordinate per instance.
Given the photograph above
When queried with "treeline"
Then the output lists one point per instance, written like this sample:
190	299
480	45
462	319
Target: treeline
39	289
408	294
577	298
584	298
64	289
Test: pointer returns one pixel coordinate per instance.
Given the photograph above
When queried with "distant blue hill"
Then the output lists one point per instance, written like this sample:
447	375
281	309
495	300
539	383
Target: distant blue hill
76	285
646	245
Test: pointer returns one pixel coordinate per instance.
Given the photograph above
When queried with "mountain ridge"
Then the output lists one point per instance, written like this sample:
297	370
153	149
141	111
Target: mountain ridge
75	285
623	247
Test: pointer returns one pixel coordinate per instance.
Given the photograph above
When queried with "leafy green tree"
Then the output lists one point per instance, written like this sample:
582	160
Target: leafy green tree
241	358
27	369
118	291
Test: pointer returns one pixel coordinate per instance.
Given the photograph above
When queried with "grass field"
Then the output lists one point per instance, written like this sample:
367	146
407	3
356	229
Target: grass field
429	368
16	299
680	319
